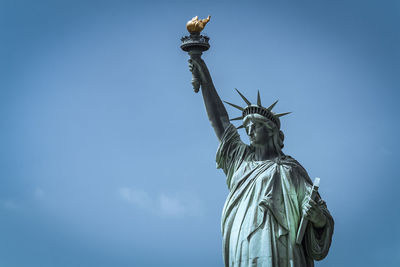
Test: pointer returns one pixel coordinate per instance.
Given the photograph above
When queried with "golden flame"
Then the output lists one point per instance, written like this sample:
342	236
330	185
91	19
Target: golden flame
195	25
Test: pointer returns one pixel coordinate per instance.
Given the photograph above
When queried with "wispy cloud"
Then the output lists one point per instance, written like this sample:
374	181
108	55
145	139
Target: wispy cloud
165	204
10	204
20	203
171	206
385	151
137	197
38	193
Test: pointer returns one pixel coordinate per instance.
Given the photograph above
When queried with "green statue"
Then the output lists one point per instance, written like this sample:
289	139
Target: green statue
269	191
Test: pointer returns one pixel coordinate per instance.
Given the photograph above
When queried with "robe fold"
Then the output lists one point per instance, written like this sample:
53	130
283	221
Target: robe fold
263	210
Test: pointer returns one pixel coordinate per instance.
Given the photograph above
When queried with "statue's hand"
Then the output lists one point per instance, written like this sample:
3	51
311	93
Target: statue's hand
195	77
313	212
199	71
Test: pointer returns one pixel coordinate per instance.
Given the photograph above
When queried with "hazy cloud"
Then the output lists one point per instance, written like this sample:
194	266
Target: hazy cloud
137	197
38	193
10	204
163	204
170	205
385	151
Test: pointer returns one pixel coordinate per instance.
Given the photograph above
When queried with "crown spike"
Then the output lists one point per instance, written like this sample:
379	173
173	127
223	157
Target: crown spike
244	98
258	99
272	106
236	119
241	126
282	114
235	106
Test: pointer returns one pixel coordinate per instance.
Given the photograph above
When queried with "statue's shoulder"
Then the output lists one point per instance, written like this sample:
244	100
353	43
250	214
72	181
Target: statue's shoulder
288	161
293	166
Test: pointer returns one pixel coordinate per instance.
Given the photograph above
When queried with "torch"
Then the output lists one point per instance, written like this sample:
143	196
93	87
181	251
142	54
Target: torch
195	44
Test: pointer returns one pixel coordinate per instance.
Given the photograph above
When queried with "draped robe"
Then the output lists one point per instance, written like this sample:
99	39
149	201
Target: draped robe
263	210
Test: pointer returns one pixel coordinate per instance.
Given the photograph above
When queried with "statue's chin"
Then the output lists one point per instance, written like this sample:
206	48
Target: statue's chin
254	144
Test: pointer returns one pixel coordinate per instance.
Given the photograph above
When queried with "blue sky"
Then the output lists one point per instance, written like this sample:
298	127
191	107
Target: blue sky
108	158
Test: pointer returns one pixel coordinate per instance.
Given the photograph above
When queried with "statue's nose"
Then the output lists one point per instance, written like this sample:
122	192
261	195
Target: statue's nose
250	131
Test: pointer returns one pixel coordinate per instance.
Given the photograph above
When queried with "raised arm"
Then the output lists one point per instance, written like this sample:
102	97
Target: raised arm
215	108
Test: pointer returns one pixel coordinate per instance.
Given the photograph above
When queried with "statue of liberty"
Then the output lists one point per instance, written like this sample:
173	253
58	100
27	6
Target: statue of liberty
269	192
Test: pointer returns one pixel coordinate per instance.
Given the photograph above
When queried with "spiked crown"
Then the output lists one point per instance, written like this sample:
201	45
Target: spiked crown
257	109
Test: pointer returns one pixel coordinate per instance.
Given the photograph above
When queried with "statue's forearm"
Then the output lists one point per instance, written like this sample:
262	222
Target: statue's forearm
215	109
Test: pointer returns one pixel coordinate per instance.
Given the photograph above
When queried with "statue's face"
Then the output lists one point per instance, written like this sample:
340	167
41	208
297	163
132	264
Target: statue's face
259	131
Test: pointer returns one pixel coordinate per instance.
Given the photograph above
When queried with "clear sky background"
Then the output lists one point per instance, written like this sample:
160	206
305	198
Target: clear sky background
108	159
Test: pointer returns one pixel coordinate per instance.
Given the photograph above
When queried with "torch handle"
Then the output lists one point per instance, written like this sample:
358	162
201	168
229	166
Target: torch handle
196	80
195	73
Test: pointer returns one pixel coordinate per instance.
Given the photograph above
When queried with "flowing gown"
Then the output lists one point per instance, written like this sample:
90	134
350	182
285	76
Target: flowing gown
263	210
